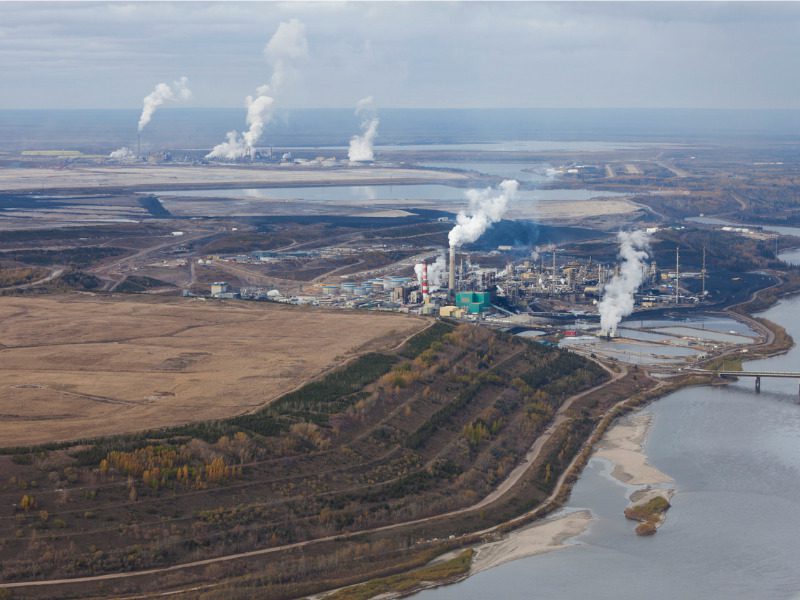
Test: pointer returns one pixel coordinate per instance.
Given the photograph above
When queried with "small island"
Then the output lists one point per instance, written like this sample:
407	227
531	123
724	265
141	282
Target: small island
650	512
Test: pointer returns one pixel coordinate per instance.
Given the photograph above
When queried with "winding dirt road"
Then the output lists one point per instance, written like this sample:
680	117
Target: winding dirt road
513	478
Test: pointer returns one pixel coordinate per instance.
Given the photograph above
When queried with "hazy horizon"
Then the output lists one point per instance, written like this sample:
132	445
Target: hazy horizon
726	55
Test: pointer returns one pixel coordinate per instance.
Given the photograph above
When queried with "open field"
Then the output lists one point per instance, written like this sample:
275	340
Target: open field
209	176
77	366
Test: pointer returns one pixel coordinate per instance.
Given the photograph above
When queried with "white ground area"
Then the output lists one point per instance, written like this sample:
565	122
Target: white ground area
159	176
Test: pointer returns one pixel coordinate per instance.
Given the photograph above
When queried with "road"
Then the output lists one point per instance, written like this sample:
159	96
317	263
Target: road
55	273
513	478
132	261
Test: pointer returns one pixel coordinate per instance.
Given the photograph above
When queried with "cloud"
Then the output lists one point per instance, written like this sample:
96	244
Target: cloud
736	54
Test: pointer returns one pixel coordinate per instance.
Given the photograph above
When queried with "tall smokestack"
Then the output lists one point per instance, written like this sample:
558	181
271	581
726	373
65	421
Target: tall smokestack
451	281
425	295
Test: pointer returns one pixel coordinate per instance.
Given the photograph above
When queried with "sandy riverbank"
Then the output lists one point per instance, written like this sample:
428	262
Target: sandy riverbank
531	540
623	446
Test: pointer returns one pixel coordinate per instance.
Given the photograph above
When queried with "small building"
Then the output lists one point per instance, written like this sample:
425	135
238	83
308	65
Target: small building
400	294
473	302
428	309
219	287
452	312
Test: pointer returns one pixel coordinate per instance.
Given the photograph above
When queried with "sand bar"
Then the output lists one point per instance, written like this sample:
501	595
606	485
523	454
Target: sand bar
538	538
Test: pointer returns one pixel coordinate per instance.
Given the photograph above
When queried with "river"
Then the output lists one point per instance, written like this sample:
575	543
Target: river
732	531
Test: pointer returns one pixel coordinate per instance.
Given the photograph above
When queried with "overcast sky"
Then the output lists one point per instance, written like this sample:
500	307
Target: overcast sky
571	54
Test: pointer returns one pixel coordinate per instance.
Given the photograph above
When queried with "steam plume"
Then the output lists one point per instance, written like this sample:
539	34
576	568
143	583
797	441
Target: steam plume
618	293
361	145
486	207
259	113
536	253
437	273
179	92
287	46
123	153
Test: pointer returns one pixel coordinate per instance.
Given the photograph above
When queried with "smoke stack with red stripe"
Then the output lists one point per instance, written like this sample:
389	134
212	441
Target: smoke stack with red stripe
426	298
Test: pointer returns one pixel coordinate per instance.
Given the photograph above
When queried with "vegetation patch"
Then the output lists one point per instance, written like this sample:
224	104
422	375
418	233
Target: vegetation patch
10	276
80	258
408	582
650	514
137	284
423	340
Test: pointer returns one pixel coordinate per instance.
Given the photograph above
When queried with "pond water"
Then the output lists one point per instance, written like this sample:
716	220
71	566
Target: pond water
375	192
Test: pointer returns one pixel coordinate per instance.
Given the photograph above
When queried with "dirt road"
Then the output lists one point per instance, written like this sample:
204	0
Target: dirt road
513	478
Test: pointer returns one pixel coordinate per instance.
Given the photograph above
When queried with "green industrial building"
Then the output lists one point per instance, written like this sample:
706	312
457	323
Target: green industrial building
473	302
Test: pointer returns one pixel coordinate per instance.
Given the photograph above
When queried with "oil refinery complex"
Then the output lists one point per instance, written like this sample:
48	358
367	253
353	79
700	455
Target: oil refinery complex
543	285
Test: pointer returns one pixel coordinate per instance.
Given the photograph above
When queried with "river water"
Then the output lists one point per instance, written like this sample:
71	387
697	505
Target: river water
732	531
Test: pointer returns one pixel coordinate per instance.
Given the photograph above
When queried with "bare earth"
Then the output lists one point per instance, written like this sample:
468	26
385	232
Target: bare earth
74	366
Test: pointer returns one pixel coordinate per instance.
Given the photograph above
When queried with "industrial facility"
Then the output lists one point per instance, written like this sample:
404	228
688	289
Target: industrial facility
544	284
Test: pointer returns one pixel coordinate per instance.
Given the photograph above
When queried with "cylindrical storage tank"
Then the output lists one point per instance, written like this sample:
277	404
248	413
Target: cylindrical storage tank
330	290
393	282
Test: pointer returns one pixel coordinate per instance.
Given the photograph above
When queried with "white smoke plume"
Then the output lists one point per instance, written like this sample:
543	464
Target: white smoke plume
618	293
259	113
486	207
123	153
537	252
437	273
178	92
361	146
286	47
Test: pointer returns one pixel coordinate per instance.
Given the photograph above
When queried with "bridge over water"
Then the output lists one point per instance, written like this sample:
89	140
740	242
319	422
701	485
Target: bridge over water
757	375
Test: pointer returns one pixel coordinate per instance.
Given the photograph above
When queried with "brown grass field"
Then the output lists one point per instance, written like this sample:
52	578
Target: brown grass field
75	366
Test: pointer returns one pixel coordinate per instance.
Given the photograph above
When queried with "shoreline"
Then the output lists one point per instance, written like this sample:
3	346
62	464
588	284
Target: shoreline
567	479
623	446
540	537
626	437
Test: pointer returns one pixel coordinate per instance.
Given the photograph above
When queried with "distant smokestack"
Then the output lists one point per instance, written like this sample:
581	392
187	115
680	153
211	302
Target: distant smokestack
451	281
425	295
